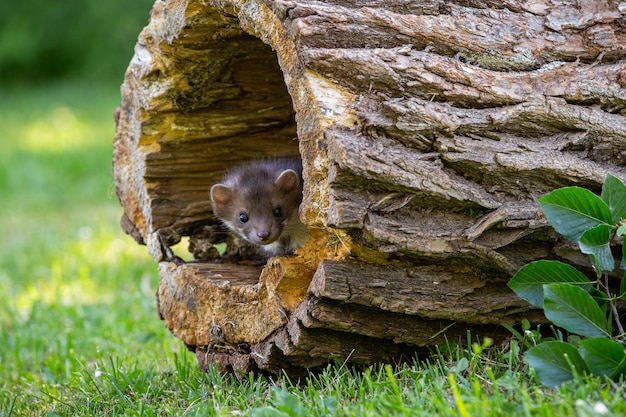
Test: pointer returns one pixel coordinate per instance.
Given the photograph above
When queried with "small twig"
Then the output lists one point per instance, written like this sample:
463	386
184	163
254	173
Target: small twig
612	304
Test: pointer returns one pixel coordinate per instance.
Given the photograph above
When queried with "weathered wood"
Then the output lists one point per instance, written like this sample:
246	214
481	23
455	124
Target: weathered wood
298	347
204	303
431	292
427	131
404	330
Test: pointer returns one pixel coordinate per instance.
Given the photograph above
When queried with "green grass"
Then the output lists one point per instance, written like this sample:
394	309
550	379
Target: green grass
79	332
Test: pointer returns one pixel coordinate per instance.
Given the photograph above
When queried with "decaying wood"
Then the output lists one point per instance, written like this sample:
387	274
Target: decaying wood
427	131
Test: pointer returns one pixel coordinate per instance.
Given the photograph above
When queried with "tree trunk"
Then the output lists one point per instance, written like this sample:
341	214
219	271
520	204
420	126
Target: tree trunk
427	131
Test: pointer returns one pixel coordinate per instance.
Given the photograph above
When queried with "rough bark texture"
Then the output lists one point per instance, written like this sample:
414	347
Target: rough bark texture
427	131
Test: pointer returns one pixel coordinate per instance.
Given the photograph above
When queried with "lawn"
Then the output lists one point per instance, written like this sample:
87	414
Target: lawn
80	333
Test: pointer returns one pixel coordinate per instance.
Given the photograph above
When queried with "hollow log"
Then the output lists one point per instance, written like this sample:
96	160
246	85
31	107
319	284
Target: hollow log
427	130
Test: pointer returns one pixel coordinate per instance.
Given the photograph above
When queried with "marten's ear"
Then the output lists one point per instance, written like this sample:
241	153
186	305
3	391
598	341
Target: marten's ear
288	181
221	196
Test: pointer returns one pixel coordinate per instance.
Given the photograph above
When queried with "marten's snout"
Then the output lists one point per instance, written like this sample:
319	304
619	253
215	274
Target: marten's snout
263	235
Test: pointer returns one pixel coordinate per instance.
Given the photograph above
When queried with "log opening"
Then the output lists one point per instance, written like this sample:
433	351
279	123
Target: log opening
195	104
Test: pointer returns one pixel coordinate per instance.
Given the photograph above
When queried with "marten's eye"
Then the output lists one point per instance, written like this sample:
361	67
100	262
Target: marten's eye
278	212
243	218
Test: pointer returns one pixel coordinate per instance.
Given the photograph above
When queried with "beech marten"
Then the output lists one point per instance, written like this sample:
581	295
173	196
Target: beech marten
259	201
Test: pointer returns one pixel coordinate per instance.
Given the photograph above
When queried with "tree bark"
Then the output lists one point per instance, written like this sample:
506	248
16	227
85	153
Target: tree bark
427	131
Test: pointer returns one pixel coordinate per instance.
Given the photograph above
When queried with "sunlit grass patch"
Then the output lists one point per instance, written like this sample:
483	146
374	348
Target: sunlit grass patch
55	146
75	242
87	265
56	131
60	111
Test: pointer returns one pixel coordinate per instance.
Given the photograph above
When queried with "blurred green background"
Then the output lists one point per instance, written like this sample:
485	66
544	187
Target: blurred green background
76	293
42	41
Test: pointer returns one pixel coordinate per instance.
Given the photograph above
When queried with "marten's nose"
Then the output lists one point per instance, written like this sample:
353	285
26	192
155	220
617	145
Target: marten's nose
263	234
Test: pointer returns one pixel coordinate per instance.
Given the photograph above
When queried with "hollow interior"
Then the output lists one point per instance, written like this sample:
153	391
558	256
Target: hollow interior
231	106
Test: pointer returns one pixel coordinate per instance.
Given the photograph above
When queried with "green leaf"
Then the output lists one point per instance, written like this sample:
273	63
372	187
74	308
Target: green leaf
267	411
556	362
575	310
599	297
621	231
622	264
595	243
620	370
572	210
614	195
622	286
287	402
602	356
529	281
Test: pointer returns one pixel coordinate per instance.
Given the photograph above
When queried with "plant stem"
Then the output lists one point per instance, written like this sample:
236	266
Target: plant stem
620	328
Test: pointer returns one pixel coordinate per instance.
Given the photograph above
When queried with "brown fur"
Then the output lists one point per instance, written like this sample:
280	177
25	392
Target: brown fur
259	201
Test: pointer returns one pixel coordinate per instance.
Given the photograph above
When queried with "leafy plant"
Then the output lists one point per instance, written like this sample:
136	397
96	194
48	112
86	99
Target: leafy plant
569	299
